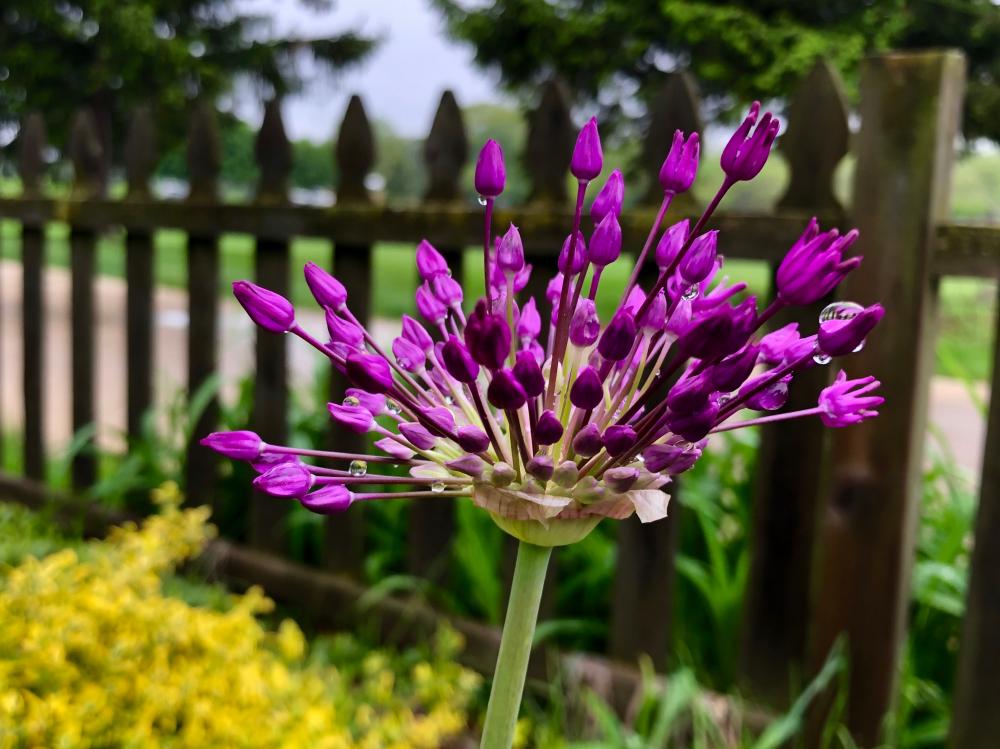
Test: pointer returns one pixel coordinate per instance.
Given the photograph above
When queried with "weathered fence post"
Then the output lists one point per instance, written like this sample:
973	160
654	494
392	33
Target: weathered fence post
140	161
431	525
31	165
352	264
910	110
87	157
776	608
273	153
204	160
975	719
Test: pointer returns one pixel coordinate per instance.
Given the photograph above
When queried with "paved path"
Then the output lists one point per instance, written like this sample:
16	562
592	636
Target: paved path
954	415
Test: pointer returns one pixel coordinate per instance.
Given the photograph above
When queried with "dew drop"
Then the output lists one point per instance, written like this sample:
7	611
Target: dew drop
691	293
393	408
357	468
840	311
639	458
449	401
725	398
482	200
437	487
351	401
820	358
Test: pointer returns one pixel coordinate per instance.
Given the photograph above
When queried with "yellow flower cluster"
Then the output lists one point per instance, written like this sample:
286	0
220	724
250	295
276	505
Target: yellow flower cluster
93	654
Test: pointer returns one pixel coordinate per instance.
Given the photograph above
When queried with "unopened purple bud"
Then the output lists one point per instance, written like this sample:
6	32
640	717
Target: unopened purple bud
587	390
472	439
585	326
504	391
429	306
588	159
328	500
414	332
846	402
458	361
440	417
357	419
587	441
430	262
656	314
268	310
769	398
840	337
699	261
566	474
239	445
327	290
374	402
343	331
606	242
487	337
391	447
549	429
732	371
619	337
447	290
285	480
409	356
417	435
681	165
717	296
671	459
540	467
814	265
621	479
618	439
554	288
609	199
470	465
693	425
744	317
775	343
708	337
670	243
690	393
529	324
745	154
529	373
579	248
491	176
510	251
502	474
369	372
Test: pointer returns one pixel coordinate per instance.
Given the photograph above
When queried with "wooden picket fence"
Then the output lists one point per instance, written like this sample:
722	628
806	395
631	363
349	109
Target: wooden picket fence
833	515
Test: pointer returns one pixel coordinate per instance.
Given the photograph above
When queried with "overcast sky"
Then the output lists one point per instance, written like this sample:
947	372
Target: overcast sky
400	82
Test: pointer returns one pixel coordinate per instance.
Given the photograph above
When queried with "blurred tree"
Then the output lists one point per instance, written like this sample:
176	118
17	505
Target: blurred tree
110	55
613	52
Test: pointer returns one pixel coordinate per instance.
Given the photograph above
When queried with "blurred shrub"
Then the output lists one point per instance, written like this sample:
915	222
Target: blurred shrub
93	653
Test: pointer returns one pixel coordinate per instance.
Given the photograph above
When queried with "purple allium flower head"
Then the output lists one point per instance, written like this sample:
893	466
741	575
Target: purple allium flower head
326	290
343	331
618	338
285	480
409	356
587	389
505	392
588	158
840	337
606	242
699	260
369	372
447	290
510	252
328	500
414	332
618	439
491	176
417	435
681	165
268	310
429	306
587	442
374	402
580	259
357	419
549	429
670	243
609	199
487	337
458	361
529	374
745	154
529	324
238	445
585	326
430	262
472	439
847	402
814	265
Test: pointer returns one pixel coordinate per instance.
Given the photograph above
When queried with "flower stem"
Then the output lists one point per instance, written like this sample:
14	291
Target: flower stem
515	646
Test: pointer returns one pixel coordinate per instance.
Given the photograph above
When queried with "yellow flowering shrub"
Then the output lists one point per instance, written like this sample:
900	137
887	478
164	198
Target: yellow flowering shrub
94	654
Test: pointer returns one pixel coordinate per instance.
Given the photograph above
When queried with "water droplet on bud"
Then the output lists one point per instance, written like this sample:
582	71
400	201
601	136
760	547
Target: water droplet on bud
482	200
692	292
357	468
820	358
393	408
448	400
437	487
840	311
351	401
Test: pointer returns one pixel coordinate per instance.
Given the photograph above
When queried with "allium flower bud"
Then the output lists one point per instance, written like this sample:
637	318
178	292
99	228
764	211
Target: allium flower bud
774	344
430	262
580	259
845	401
369	372
814	265
447	290
472	439
268	310
588	159
239	445
699	261
470	465
708	337
693	425
670	244
409	356
840	337
609	199
690	393
732	371
327	290
429	306
343	331
605	242
529	324
681	165
440	417
502	474
458	361
374	402
549	429
769	398
619	337
585	327
587	441
393	448
417	435
587	390
656	314
621	479
671	459
540	467
529	374
414	332
328	500
504	391
510	252
490	173
566	474
357	419
745	154
285	480
618	439
487	337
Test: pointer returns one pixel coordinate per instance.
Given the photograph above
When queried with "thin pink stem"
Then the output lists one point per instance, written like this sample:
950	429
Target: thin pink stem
487	236
335	455
641	260
767	419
